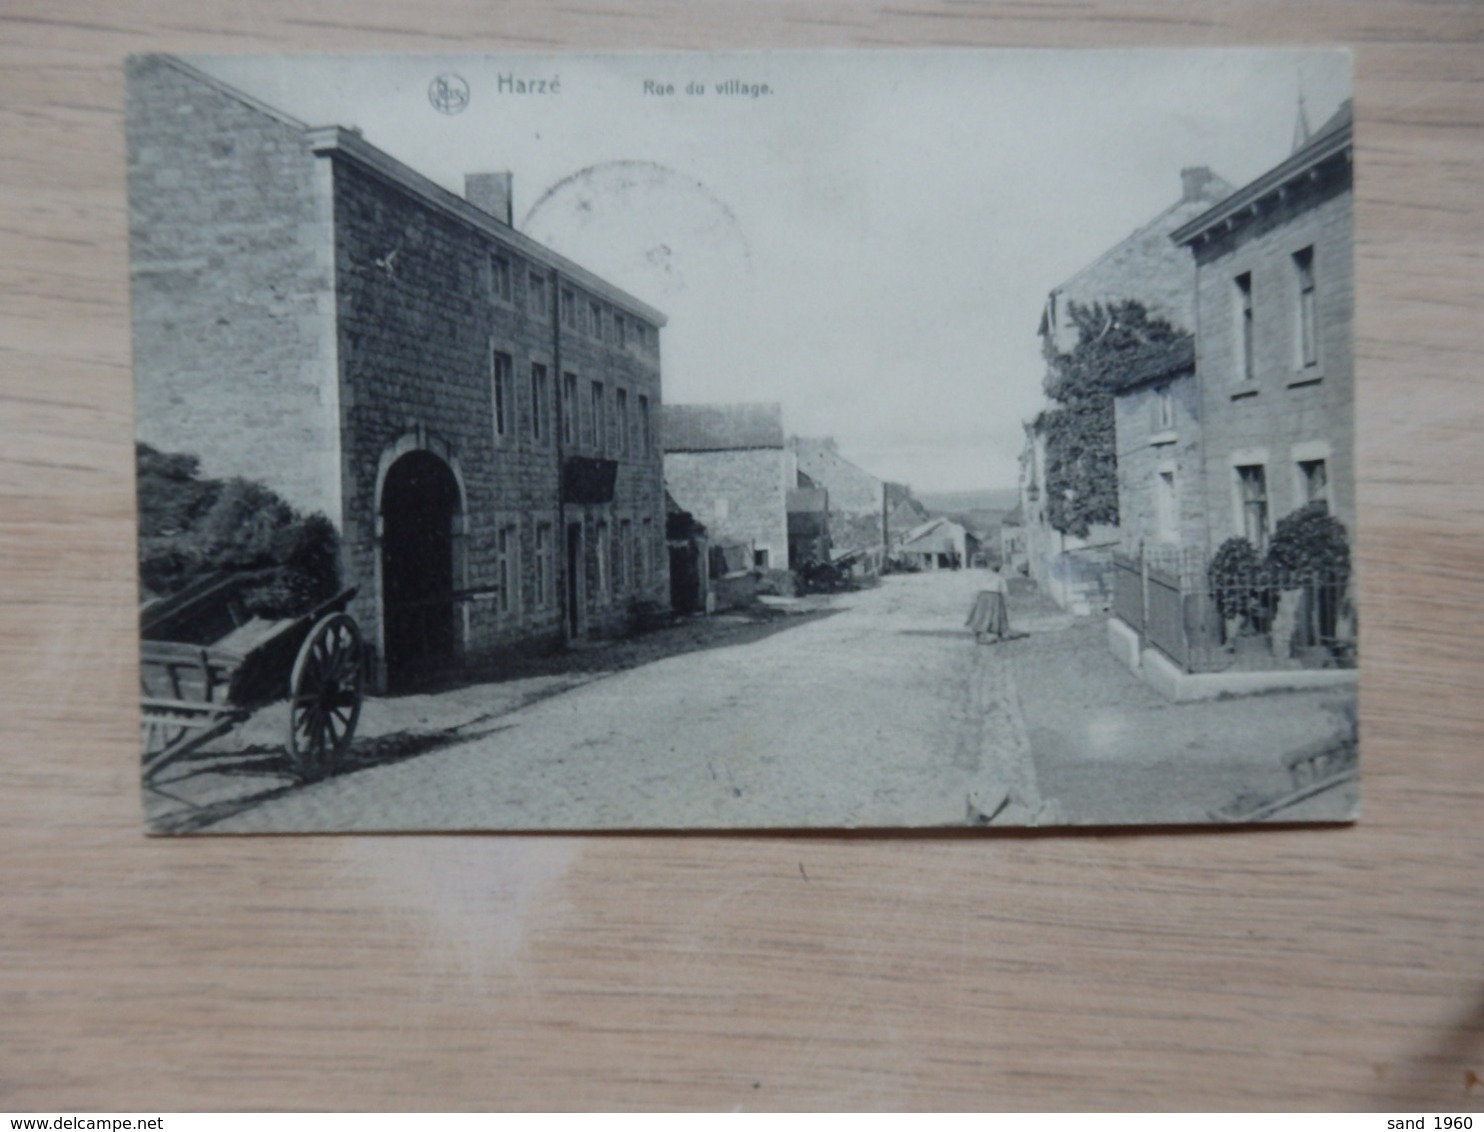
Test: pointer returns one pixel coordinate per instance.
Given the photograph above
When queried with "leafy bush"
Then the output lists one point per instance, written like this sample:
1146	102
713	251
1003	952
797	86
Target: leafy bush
172	495
190	527
824	578
1238	580
1309	544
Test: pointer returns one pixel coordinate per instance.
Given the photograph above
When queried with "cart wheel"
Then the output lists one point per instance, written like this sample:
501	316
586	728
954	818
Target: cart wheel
325	696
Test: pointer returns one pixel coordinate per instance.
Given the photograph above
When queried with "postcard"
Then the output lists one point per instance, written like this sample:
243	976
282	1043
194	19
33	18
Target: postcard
756	441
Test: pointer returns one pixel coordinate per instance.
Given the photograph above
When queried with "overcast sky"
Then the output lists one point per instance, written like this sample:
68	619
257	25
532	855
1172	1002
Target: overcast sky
871	242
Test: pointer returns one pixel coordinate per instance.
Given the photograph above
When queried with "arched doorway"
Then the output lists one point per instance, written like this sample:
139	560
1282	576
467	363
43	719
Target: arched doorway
420	507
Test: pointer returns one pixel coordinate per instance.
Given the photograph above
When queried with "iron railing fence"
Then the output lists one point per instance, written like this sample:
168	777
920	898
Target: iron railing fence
1265	619
1128	590
1165	615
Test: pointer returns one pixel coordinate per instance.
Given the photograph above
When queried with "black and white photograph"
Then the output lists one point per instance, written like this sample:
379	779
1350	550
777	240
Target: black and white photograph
777	440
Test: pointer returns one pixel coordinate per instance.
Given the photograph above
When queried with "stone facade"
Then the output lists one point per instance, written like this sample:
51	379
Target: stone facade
728	466
740	496
1276	295
233	285
362	336
1161	494
856	496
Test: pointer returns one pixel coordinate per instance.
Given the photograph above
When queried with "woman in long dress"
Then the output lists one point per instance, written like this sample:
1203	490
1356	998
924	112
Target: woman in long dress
990	617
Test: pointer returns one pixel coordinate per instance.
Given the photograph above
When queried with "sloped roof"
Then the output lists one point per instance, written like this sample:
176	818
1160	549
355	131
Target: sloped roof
1332	140
821	452
1210	190
1166	361
917	534
721	428
909	510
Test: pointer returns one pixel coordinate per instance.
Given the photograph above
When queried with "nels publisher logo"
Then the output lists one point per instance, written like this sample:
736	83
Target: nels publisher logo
449	93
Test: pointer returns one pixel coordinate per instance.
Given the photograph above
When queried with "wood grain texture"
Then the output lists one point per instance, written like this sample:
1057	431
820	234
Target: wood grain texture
1331	968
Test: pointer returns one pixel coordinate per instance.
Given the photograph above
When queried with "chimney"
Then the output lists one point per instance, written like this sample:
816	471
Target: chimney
490	192
1196	183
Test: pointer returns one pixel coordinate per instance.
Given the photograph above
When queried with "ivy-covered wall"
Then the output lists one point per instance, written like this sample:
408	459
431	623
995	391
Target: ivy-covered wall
1115	342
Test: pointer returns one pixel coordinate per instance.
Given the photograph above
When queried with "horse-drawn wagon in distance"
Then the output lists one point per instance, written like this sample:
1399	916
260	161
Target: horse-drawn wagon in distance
208	662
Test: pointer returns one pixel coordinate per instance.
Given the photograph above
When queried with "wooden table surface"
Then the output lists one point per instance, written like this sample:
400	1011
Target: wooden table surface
1337	968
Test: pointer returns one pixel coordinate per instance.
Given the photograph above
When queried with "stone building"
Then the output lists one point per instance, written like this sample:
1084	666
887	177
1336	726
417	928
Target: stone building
728	466
1160	469
1274	356
1147	267
476	414
808	524
857	498
938	544
1260	424
1227	432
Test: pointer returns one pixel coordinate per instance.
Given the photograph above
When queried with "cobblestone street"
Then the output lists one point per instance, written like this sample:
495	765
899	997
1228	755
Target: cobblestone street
881	712
868	709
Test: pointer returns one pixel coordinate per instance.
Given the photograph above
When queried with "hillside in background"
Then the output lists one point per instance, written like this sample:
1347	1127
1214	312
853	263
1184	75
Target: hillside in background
961	502
978	511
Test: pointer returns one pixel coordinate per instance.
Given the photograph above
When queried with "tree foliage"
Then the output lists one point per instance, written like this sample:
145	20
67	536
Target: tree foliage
1238	580
190	527
1113	340
1310	543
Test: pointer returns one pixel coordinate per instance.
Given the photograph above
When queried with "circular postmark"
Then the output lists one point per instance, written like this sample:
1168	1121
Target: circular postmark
638	220
449	93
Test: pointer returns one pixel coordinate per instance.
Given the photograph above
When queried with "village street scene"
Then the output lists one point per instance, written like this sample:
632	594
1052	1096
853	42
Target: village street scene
429	539
943	733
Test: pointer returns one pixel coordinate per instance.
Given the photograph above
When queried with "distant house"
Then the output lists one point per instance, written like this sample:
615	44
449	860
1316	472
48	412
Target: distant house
974	548
938	544
728	466
856	496
904	512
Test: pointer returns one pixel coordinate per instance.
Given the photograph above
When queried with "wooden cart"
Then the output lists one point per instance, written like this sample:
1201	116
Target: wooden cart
207	664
